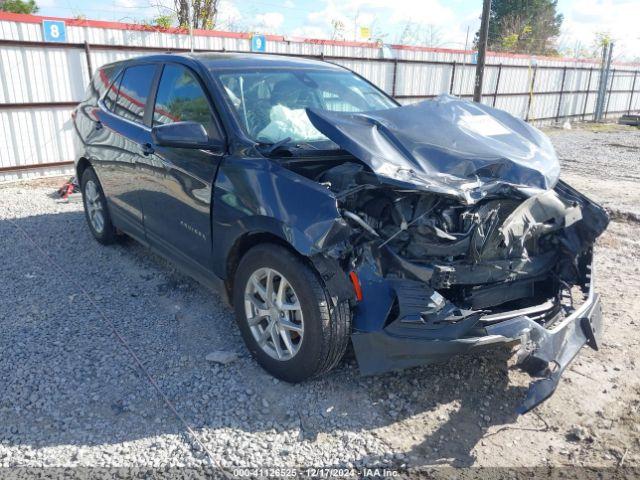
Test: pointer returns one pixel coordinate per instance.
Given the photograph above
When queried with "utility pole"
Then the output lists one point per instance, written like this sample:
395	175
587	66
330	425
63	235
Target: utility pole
482	50
191	16
466	40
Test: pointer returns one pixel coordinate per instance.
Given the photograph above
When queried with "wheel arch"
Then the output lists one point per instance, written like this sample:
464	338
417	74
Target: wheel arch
81	167
328	270
242	245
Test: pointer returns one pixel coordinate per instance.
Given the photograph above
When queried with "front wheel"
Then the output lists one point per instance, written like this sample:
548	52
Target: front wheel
286	316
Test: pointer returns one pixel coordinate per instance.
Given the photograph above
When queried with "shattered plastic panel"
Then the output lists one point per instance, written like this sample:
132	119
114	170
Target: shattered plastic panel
448	146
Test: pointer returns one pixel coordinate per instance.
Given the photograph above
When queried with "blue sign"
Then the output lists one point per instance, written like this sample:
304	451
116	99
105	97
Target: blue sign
474	58
54	31
258	43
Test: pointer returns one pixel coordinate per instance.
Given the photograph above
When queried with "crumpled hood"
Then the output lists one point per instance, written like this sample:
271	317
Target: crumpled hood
446	145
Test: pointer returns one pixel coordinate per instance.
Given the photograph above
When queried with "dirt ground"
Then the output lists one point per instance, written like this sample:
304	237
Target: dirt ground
72	396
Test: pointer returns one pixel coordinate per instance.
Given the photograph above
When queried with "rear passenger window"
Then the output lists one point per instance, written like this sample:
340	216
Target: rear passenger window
133	92
180	98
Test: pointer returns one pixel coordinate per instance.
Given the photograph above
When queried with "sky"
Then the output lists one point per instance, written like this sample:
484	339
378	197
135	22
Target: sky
439	23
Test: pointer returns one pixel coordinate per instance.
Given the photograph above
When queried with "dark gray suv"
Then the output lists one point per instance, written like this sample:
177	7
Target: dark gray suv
326	213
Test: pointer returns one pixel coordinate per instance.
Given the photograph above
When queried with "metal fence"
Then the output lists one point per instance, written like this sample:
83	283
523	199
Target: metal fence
40	82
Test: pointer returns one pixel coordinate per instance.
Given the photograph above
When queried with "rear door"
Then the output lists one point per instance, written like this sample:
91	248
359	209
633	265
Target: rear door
123	129
177	182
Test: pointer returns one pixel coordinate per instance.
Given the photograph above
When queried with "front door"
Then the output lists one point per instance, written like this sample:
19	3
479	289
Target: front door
177	182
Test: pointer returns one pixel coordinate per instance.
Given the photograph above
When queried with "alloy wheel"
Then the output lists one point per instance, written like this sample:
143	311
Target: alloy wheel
274	314
93	204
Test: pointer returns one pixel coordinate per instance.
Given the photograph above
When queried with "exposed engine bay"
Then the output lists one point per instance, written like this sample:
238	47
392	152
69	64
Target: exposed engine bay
509	254
459	235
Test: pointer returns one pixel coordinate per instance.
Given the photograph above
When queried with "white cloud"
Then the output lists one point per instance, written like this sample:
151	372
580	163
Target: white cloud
229	17
431	12
389	18
126	4
310	31
268	22
585	18
47	3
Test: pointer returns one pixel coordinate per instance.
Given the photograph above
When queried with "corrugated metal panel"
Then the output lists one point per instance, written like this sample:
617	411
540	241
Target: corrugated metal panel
32	74
35	136
42	75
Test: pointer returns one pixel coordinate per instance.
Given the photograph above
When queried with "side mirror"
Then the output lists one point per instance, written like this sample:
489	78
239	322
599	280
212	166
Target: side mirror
181	135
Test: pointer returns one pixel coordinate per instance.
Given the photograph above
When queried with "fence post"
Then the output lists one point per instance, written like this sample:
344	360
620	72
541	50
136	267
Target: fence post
453	77
87	53
586	97
495	92
607	53
533	83
633	88
613	77
395	75
564	75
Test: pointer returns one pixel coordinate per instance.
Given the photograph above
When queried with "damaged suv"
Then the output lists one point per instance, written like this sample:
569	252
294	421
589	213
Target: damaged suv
326	213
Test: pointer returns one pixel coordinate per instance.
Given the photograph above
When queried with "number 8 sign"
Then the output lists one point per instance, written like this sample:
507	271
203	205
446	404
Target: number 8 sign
54	31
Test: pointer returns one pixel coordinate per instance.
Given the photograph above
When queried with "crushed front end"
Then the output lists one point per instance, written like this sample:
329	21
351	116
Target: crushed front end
440	278
455	249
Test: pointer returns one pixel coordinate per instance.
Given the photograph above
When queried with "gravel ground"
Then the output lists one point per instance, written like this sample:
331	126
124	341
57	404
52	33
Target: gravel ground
71	393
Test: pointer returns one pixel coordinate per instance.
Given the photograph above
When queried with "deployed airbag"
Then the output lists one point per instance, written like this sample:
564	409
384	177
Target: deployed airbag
286	122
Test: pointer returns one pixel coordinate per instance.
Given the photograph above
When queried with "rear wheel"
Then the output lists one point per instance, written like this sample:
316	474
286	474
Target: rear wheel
286	316
95	208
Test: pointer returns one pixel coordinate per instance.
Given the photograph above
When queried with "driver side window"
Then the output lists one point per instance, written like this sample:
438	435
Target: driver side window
180	98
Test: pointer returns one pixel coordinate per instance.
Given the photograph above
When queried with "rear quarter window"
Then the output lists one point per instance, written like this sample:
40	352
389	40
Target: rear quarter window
101	81
132	92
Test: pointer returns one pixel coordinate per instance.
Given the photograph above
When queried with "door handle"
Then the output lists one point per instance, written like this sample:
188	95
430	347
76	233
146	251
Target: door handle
98	125
147	149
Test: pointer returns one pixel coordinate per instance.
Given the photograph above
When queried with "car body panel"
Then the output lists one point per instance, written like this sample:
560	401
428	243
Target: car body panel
446	145
114	152
256	195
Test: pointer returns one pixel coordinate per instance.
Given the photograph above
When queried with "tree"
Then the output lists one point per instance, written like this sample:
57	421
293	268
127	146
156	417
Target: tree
162	21
19	6
204	13
427	35
337	30
524	26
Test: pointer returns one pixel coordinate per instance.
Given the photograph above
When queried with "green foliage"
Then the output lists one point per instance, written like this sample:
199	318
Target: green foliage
602	39
19	6
163	21
524	26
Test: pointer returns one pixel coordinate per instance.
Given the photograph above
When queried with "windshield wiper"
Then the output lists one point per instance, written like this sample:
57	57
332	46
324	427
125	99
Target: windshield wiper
297	149
270	148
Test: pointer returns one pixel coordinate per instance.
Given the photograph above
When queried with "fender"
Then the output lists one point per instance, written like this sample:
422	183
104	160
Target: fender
257	195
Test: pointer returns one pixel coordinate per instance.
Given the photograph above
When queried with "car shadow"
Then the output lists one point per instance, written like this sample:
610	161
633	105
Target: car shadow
66	379
454	404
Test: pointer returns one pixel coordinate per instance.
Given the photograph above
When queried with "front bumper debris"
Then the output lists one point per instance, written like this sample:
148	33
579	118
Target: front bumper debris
543	353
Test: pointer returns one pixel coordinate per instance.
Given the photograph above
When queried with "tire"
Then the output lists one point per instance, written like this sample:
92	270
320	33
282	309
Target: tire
95	204
326	328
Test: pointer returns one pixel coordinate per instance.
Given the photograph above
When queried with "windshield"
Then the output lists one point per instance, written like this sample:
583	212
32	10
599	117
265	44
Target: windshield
270	103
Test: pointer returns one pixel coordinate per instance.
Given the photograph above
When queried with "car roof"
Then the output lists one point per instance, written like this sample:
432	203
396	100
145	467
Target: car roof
227	60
